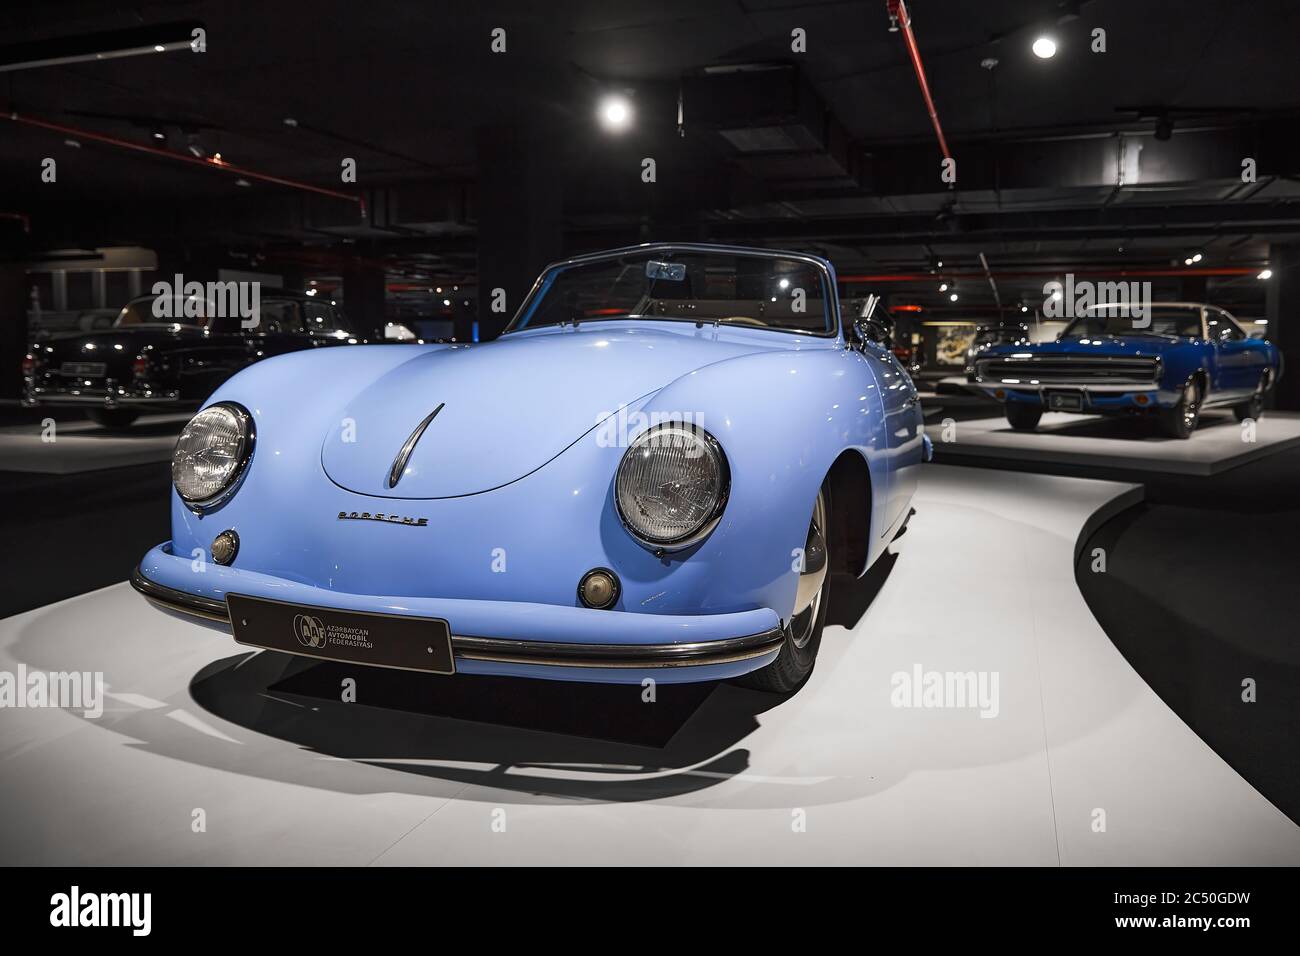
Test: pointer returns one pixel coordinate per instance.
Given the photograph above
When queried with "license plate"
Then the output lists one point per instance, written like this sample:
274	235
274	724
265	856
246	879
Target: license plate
83	369
1065	401
355	637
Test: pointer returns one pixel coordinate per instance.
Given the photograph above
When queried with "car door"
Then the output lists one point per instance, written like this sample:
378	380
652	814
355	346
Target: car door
325	325
211	356
279	330
899	401
1239	364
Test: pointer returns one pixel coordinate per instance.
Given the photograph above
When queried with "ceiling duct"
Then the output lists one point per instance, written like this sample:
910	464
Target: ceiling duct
776	122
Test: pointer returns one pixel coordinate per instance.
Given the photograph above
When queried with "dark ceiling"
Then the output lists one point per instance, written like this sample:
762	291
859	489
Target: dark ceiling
408	89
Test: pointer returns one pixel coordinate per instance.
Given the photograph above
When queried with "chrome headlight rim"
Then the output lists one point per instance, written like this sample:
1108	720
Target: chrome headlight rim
248	434
706	528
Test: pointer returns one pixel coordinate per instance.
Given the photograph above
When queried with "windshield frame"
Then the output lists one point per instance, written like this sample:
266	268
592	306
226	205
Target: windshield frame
825	270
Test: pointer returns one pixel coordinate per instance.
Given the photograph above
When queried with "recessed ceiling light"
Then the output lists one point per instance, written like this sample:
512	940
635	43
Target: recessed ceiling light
615	113
1044	48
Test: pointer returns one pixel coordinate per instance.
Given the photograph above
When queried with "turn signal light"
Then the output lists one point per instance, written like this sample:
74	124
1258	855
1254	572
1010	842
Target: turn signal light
999	395
1141	399
599	589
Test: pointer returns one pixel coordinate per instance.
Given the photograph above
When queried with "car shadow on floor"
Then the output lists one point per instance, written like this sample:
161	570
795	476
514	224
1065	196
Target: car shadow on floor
561	739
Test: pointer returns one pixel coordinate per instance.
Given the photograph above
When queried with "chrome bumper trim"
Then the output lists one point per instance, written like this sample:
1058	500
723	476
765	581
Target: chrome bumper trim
506	651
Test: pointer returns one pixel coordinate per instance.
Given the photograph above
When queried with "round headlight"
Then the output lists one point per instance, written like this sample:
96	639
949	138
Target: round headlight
671	487
211	453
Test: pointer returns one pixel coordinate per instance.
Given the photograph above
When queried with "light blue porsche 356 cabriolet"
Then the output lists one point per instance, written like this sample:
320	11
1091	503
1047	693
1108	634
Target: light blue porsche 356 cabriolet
657	472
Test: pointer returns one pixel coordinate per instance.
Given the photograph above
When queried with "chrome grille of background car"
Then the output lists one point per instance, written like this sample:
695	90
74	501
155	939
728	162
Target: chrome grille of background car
1062	369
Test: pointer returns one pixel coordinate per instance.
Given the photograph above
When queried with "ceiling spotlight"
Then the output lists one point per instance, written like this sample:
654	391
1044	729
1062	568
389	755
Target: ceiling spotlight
943	287
1266	274
1197	257
939	264
159	135
1056	296
615	113
159	48
73	143
953	297
290	121
1044	48
242	182
1023	307
1187	261
446	301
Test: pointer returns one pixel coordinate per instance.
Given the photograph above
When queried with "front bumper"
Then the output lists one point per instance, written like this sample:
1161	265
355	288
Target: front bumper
502	637
1096	398
101	397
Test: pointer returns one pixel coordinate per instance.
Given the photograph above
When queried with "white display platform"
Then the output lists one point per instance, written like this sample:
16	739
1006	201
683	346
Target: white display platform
1091	441
83	446
983	581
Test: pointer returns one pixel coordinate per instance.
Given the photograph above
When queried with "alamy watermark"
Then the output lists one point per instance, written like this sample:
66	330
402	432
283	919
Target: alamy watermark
955	690
619	429
1073	298
65	690
198	300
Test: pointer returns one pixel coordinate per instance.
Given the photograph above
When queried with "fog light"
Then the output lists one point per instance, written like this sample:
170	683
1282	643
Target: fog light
999	395
599	588
224	547
1141	399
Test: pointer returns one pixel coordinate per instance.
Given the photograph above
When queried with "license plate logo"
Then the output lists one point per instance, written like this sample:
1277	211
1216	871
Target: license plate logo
82	369
358	637
1065	402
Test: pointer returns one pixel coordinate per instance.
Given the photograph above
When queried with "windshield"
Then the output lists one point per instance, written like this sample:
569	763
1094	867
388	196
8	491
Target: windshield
141	312
759	291
1162	320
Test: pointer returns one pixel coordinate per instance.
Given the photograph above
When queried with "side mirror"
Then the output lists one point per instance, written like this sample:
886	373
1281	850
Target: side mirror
878	329
873	326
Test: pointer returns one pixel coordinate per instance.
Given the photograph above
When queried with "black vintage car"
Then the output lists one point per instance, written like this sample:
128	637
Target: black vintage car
144	362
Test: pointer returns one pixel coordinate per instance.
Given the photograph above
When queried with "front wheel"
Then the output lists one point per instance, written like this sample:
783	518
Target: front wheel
1181	420
113	417
1024	416
803	635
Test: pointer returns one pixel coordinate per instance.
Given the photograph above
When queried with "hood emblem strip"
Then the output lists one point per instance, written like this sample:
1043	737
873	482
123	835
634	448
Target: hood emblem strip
399	463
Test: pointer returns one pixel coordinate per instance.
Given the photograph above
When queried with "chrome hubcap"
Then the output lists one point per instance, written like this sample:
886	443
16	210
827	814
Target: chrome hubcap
809	598
1191	405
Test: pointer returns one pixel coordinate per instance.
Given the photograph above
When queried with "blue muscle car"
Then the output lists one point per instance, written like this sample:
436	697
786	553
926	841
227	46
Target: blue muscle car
1179	359
655	473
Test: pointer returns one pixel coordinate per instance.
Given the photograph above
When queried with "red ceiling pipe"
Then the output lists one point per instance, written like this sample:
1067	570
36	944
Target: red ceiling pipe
1050	274
898	14
182	157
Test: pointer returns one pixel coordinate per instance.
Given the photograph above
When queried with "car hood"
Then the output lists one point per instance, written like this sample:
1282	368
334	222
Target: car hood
1138	346
507	407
